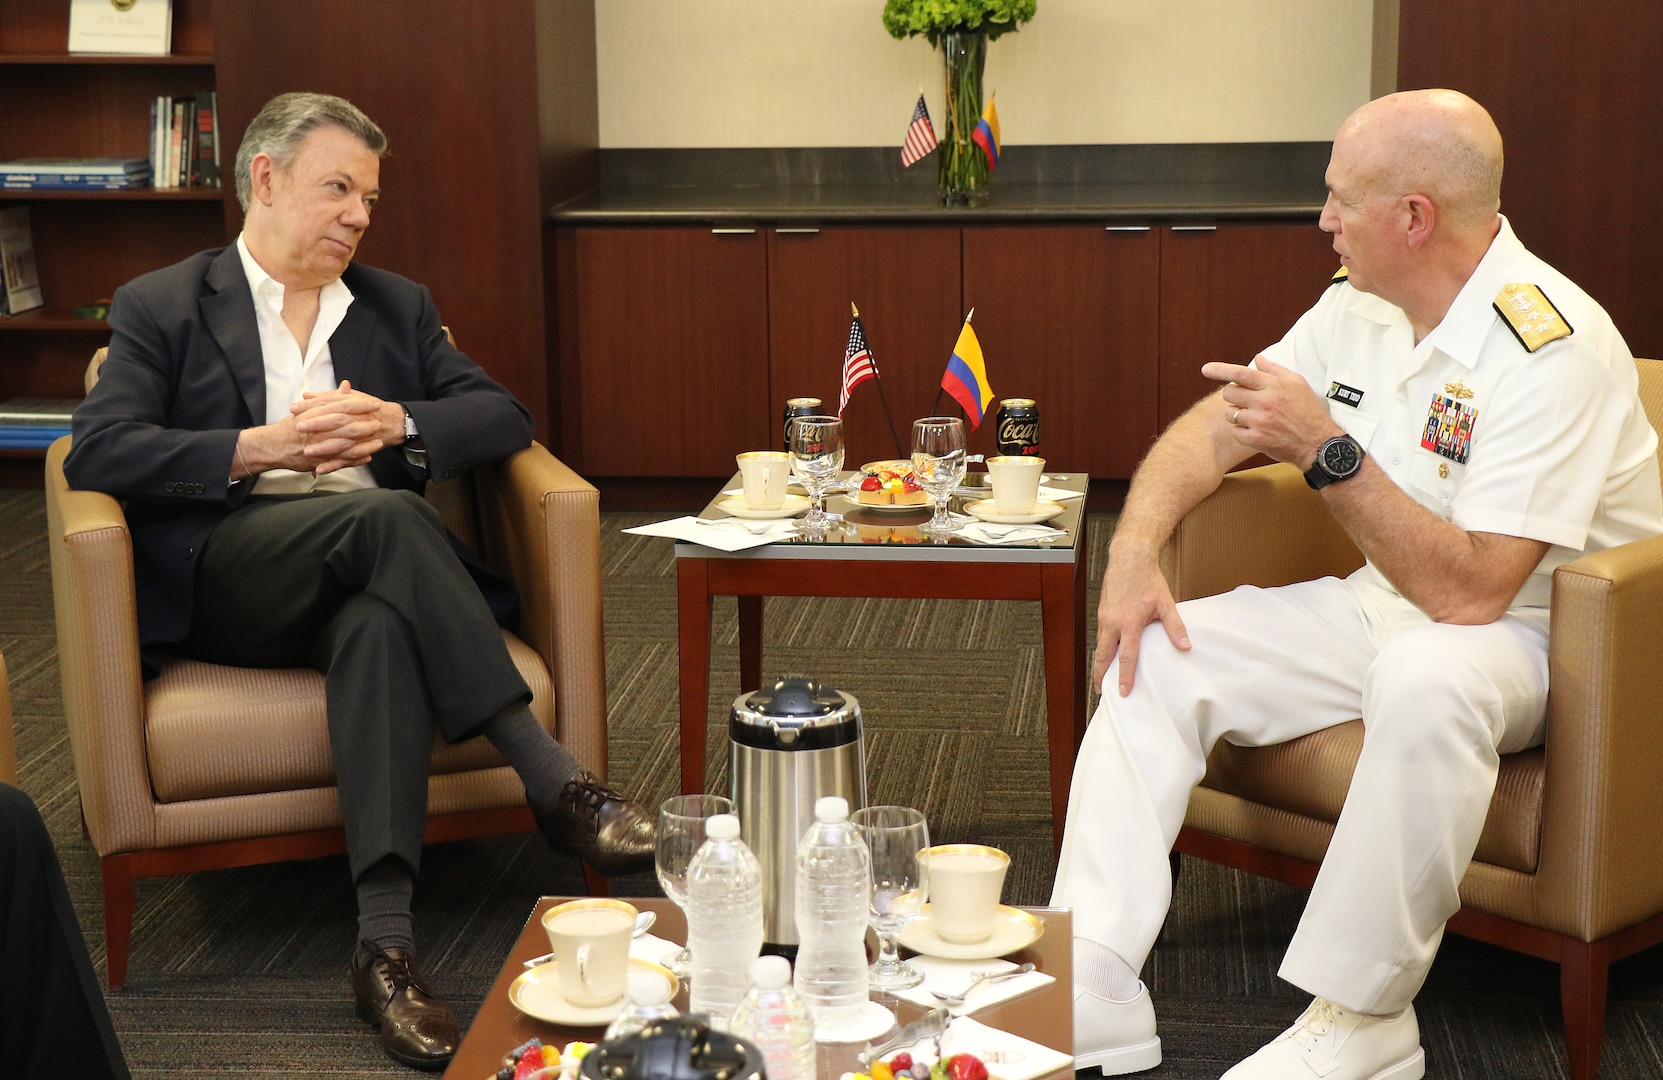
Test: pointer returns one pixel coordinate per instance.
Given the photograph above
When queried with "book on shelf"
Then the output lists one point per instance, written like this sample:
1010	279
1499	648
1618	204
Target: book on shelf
184	141
19	282
37	412
30	438
132	27
72	174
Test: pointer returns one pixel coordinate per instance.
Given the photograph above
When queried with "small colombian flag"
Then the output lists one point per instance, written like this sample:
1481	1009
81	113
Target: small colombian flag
966	376
986	135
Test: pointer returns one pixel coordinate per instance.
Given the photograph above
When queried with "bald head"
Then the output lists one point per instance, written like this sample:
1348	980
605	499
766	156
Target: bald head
1439	143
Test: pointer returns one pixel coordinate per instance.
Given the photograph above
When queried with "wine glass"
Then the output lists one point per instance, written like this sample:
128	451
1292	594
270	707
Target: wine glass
681	822
899	840
816	459
938	463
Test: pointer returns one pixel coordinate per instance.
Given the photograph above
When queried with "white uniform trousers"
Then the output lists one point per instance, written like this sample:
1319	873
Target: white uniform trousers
1439	702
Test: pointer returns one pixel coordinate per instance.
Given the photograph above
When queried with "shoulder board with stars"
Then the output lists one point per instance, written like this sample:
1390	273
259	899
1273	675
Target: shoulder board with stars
1340	275
1530	315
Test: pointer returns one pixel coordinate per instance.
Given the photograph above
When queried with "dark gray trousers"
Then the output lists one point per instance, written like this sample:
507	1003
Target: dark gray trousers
362	586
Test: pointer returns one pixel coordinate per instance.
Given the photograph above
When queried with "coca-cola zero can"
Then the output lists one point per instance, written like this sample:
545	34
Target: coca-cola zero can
795	407
1017	433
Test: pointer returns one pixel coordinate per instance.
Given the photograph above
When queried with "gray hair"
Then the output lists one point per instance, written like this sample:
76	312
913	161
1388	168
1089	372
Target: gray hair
285	122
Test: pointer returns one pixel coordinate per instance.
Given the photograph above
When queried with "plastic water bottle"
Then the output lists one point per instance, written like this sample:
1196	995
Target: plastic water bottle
774	1017
649	1000
724	920
834	885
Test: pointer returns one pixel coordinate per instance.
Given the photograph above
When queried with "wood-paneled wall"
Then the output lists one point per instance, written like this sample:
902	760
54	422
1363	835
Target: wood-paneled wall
1574	87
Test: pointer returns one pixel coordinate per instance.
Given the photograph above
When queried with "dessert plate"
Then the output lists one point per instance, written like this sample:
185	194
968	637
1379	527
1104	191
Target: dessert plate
537	993
1013	929
890	508
1042	511
735	505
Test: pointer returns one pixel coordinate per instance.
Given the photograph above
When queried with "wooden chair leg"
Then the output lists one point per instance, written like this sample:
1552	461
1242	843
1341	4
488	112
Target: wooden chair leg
596	882
118	915
1584	974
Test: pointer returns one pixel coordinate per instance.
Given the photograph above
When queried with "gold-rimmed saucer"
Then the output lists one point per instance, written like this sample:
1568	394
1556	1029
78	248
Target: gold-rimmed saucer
1013	930
537	993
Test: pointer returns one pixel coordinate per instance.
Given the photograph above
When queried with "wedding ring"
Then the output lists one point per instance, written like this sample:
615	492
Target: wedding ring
1233	421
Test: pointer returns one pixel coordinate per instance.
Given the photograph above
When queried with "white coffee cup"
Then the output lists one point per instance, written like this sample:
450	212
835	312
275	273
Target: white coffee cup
966	881
765	473
1015	483
590	941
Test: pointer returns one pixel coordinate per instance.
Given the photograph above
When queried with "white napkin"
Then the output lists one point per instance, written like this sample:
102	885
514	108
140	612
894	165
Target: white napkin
952	976
1057	494
1007	1056
1009	534
655	950
726	534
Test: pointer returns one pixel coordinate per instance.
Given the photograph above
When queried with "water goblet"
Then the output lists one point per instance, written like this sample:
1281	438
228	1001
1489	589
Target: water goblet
681	822
938	462
816	459
899	839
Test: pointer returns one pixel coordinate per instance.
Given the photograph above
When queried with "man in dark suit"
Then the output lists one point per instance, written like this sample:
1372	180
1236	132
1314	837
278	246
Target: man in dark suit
271	413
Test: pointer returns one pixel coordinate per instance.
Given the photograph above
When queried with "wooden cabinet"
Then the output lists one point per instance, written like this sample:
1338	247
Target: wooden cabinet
1067	315
680	345
1229	291
672	328
87	243
905	280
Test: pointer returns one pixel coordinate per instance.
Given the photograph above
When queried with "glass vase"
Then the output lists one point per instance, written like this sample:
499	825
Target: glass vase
962	173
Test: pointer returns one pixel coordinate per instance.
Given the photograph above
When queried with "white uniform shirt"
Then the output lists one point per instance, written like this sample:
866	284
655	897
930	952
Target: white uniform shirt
290	375
1552	445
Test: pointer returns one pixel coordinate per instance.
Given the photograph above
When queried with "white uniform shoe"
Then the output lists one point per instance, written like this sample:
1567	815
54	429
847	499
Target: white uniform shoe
1115	1036
1337	1044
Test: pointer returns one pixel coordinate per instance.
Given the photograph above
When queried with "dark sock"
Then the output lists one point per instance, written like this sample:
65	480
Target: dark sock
545	767
384	894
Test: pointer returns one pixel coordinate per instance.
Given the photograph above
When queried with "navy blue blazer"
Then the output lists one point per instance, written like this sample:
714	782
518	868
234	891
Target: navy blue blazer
185	373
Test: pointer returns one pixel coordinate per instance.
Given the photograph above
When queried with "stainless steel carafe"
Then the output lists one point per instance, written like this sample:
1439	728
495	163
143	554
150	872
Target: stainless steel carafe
791	743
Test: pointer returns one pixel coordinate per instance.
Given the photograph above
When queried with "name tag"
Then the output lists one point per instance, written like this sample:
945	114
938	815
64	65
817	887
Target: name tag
1345	395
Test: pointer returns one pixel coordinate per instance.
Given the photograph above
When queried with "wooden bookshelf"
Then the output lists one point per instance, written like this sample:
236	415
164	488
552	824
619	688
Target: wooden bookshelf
87	243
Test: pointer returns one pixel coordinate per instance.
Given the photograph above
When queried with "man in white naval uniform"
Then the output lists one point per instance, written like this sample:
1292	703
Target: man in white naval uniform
1471	418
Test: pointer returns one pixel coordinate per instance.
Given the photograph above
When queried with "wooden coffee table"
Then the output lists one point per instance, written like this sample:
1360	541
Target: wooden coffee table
1045	1016
881	554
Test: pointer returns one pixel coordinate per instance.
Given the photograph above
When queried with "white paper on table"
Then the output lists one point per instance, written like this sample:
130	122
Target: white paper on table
654	950
1047	493
1009	534
1007	1056
727	534
952	976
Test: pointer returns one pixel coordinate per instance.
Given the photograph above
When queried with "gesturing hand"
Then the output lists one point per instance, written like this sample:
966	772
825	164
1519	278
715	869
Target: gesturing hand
1273	410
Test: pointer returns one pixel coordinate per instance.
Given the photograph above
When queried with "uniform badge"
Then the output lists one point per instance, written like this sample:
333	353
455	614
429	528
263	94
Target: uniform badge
1530	315
1449	424
1345	395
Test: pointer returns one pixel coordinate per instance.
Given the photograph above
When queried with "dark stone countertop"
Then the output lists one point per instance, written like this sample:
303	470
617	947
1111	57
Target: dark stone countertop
1111	185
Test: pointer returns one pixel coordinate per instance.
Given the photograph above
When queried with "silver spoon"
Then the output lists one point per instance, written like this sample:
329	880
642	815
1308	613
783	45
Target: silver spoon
981	977
932	1025
643	923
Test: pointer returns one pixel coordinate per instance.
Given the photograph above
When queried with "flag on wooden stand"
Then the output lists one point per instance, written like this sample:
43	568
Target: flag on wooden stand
966	376
986	134
858	365
920	135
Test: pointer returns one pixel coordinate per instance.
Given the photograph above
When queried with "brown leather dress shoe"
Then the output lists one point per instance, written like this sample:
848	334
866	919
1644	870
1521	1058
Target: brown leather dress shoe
417	1027
611	833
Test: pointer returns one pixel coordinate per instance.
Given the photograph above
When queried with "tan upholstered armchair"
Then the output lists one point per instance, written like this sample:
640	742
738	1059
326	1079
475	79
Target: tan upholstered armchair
1567	868
207	766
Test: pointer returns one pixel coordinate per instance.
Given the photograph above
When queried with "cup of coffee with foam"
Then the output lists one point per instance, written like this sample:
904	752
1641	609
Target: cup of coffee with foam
966	882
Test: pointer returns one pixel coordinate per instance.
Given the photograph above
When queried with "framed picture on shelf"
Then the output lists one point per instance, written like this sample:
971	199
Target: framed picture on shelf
134	27
19	284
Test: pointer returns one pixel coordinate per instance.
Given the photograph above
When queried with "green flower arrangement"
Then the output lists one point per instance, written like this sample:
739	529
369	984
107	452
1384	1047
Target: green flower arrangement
932	18
961	29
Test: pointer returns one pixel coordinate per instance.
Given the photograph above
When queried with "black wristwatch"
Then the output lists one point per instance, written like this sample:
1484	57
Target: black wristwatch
1338	459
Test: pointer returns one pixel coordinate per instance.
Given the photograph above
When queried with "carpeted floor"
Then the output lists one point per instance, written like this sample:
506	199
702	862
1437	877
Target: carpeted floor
245	969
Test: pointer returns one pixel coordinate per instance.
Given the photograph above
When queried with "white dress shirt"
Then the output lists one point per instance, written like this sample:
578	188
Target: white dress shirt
290	375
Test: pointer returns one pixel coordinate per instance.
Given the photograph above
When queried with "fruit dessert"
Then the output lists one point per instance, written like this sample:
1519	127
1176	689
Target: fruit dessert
889	483
903	1067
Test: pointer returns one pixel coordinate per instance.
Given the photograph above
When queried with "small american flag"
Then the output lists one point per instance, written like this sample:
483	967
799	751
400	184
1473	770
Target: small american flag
858	365
920	135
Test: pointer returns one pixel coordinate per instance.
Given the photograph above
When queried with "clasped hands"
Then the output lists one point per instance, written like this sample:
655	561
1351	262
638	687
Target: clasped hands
325	431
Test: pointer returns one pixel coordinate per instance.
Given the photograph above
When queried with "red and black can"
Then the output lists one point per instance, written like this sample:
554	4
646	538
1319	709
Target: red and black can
795	407
1017	433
